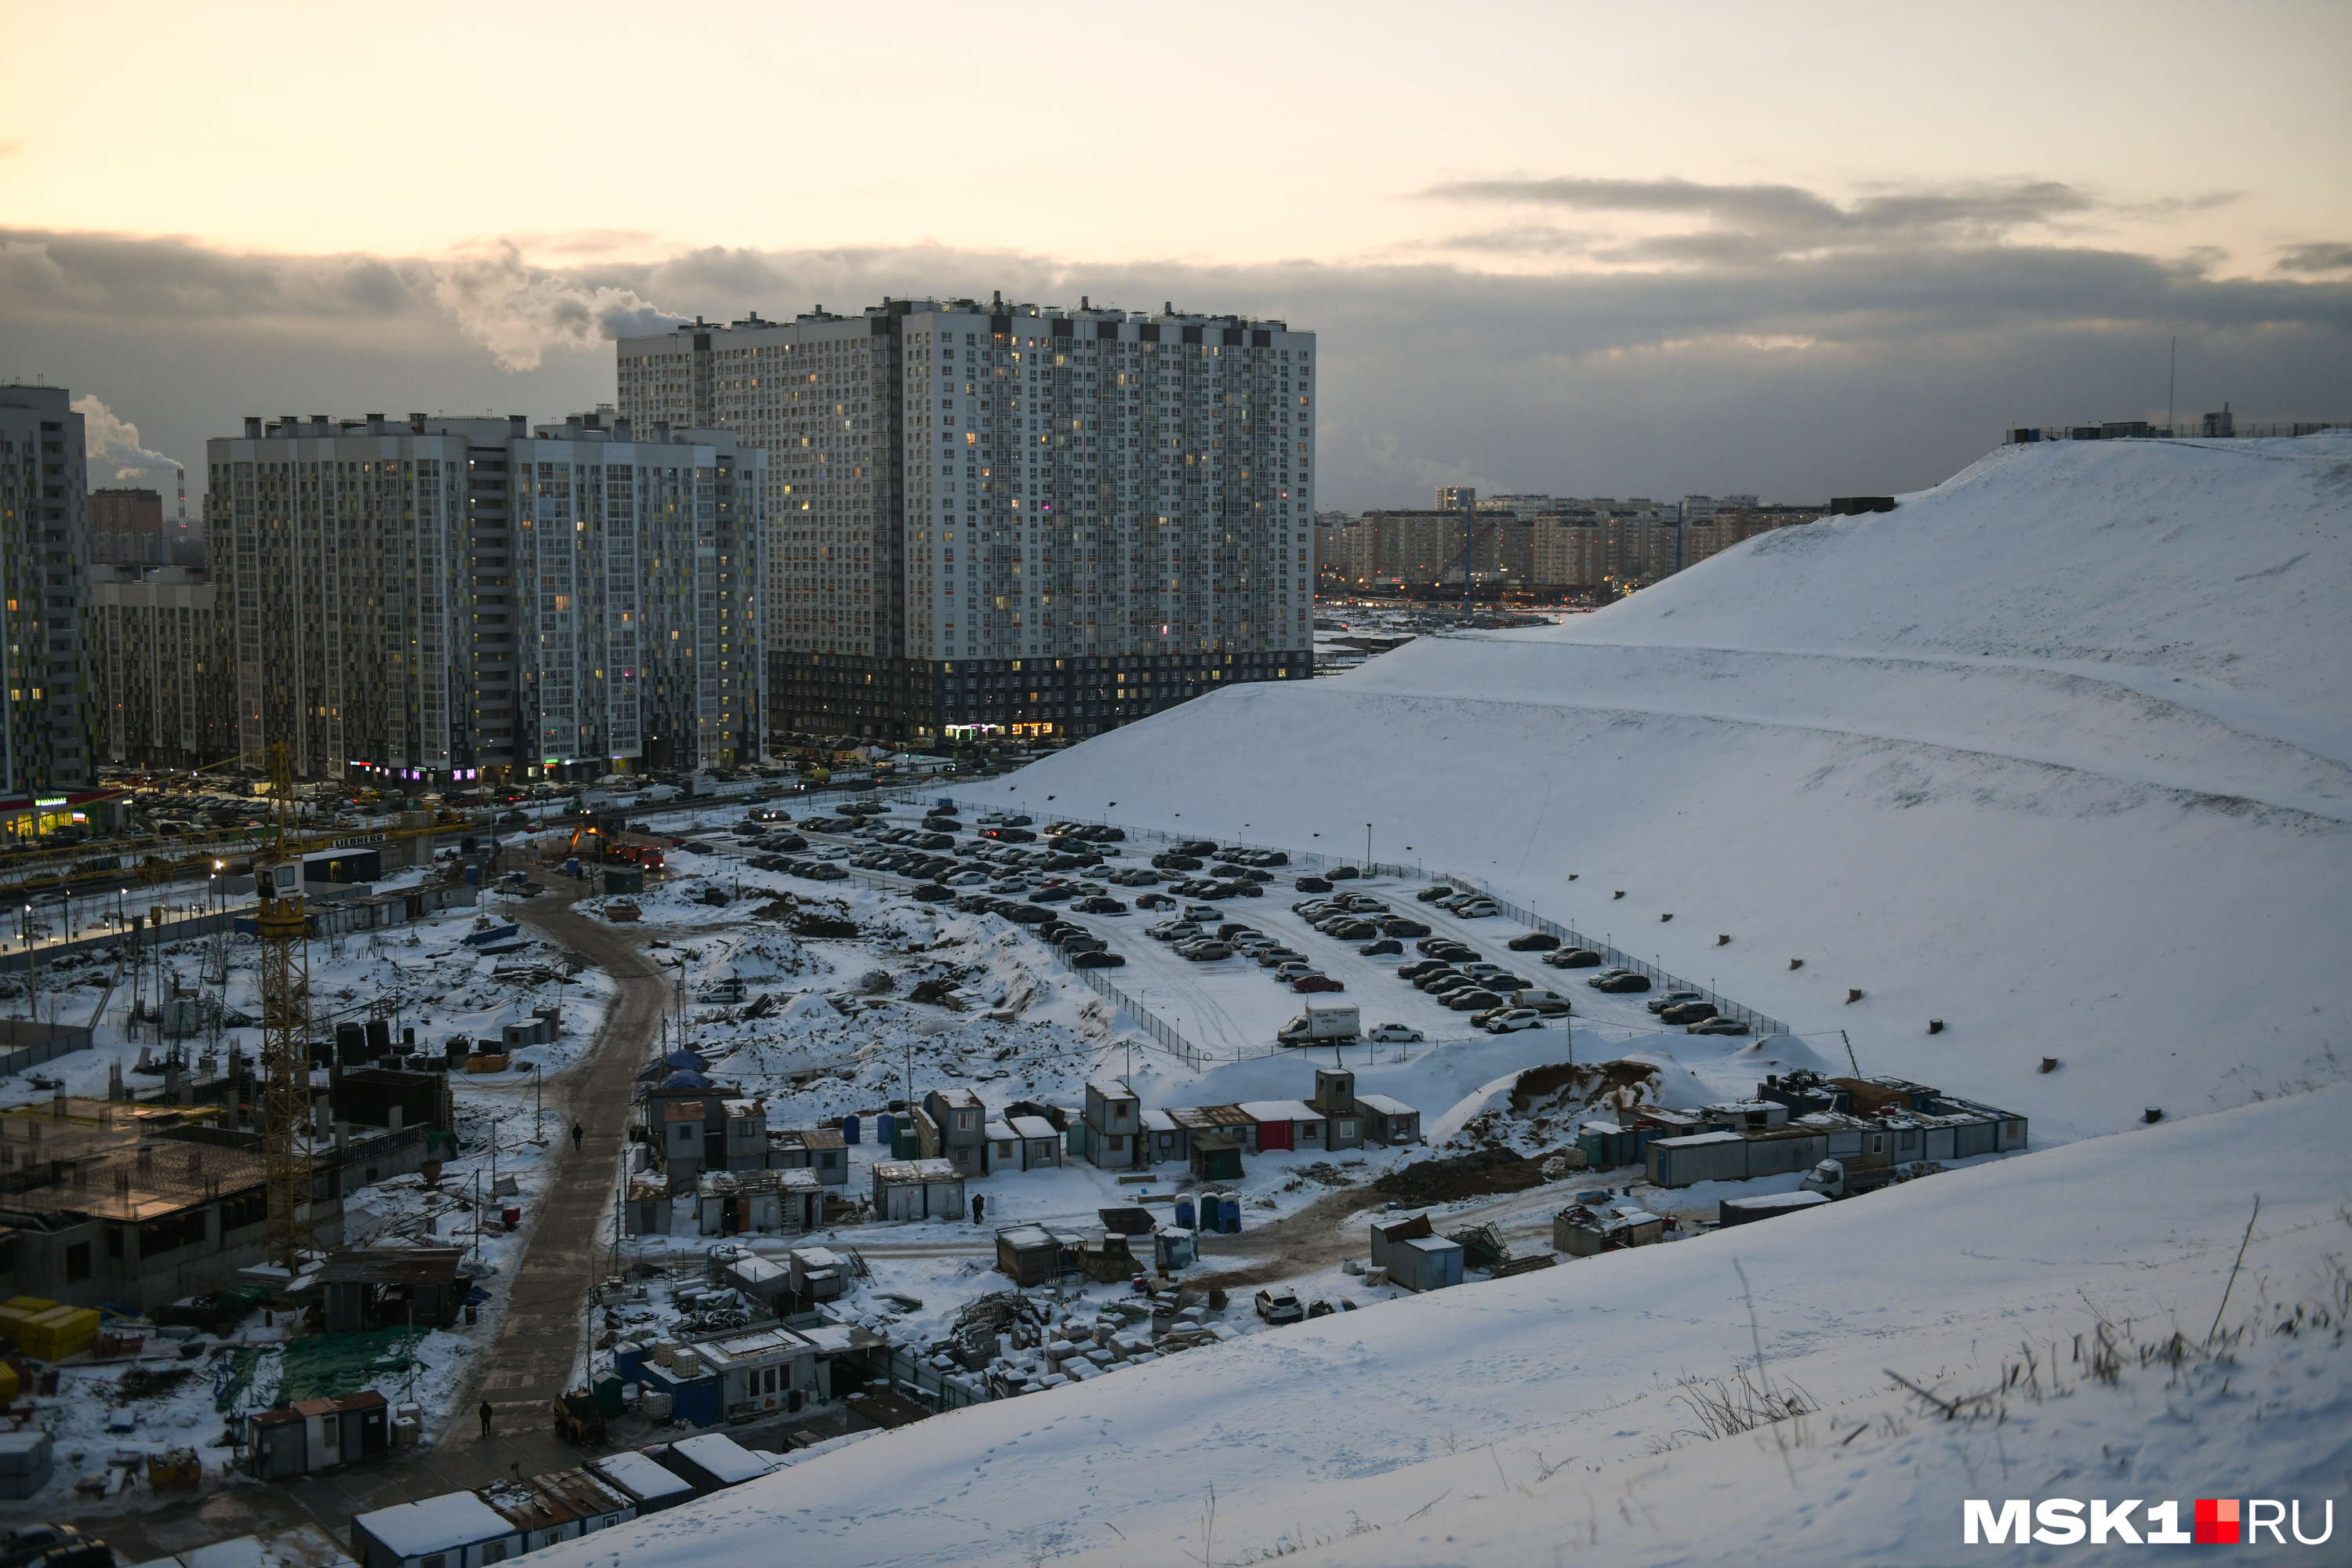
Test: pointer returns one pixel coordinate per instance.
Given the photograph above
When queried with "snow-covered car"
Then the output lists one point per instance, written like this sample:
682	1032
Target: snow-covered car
1397	1034
1280	1307
1512	1018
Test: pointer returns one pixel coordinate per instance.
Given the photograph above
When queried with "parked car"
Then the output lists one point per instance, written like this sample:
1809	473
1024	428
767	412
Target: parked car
1352	931
1687	1012
1434	892
1718	1025
1278	1307
1511	1019
1342	873
1400	1034
933	893
1436	979
1573	958
1312	885
1155	901
1549	1003
1472	1000
1476	910
1666	999
1173	931
1099	905
1207	951
1397	925
1419	967
1275	955
1097	958
1315	982
824	871
1534	941
1621	981
1384	945
1290	969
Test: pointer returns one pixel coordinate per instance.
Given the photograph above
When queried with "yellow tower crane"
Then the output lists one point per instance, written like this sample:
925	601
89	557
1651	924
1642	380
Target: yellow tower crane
285	1115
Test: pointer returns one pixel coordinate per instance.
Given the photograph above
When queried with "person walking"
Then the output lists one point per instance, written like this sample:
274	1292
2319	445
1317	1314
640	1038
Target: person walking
979	1206
578	1132
486	1413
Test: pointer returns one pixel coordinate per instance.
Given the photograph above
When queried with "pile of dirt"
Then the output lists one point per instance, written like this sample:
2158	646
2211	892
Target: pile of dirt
1584	1084
824	926
1477	1175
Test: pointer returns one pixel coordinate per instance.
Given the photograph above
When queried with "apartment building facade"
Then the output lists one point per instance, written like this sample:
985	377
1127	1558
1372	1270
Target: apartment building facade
48	742
437	600
1012	519
161	668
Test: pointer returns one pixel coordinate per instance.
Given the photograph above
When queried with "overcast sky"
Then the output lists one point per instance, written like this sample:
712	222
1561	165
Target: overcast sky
1794	249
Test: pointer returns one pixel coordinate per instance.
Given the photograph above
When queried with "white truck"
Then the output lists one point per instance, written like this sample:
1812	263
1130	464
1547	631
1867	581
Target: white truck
1323	1024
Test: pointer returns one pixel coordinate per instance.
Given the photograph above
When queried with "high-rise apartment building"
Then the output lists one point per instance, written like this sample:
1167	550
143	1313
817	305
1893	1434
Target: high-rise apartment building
47	742
445	599
161	668
1014	519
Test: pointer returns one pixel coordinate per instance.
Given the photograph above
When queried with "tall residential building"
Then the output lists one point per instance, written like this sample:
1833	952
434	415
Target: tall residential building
1457	498
438	599
161	668
46	744
1012	519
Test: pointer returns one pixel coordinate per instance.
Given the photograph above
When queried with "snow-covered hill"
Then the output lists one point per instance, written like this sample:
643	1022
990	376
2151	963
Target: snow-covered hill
1530	1419
2059	751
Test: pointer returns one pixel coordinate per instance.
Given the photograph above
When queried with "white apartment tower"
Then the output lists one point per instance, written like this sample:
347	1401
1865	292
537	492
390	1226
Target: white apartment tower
1012	519
48	743
438	599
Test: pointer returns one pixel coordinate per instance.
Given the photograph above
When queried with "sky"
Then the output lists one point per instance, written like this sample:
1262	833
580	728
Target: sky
1799	250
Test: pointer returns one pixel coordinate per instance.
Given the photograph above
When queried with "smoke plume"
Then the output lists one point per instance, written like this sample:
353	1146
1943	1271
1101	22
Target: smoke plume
112	442
519	312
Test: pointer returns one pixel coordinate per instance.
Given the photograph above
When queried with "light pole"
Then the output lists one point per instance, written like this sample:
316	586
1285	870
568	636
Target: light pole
1367	850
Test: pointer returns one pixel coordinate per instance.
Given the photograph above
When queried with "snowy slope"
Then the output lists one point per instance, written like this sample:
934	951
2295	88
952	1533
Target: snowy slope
2059	751
1465	1397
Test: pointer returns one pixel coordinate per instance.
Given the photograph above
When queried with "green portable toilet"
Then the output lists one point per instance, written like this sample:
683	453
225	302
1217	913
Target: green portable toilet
905	1142
607	1392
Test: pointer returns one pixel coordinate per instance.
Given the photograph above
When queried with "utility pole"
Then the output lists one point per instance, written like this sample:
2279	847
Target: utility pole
2171	379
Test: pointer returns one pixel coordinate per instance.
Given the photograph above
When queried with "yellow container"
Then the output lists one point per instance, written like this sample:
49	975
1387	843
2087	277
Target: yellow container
16	1315
486	1062
7	1385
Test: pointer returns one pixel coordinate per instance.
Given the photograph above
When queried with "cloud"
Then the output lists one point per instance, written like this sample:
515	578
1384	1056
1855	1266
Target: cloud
1767	222
520	311
1848	368
2330	257
113	443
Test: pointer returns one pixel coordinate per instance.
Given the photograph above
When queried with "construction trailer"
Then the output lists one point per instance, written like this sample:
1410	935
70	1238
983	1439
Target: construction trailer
1582	1230
1415	1255
648	1485
918	1189
456	1530
1766	1206
712	1462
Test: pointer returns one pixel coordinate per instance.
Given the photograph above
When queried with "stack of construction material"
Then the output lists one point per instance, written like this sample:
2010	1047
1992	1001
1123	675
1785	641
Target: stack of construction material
46	1331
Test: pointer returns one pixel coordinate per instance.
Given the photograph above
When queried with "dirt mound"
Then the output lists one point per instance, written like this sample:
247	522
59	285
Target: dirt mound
1462	1176
1586	1082
824	926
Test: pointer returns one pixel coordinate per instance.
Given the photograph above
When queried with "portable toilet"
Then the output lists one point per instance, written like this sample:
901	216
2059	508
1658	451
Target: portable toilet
905	1142
849	1128
1185	1216
572	867
884	1130
1229	1214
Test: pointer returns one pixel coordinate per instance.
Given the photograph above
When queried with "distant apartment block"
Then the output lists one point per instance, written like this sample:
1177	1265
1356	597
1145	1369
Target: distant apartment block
434	599
1590	547
1012	519
48	742
161	668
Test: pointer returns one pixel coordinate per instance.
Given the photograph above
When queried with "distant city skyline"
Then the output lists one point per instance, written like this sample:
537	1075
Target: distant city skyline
1553	248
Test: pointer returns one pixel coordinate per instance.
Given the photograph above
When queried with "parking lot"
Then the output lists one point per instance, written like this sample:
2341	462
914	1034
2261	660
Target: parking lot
1233	1008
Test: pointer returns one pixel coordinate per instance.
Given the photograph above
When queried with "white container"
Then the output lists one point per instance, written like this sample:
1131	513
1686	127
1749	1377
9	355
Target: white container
665	1353
657	1405
1376	1274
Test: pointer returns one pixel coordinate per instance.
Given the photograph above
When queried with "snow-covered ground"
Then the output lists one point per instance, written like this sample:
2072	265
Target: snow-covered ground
2059	753
419	975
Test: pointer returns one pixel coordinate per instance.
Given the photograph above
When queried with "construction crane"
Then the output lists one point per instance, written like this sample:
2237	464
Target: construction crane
285	1115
